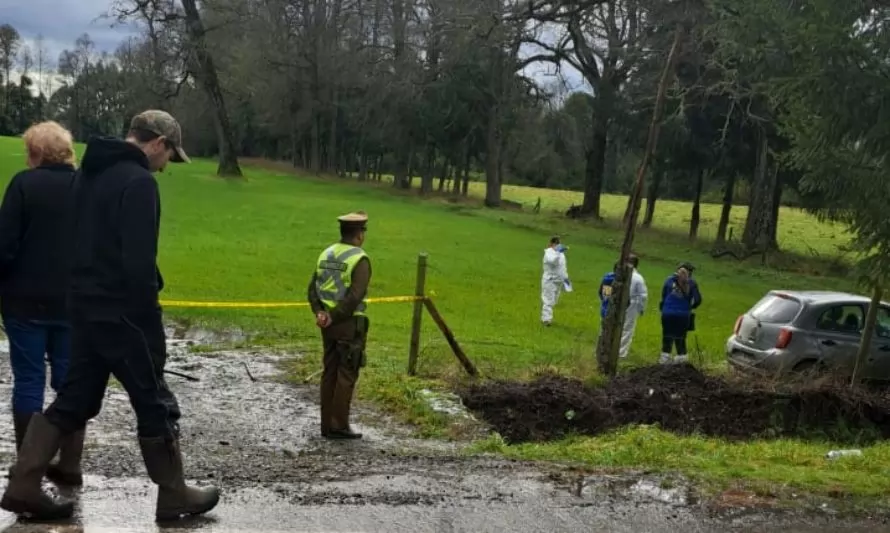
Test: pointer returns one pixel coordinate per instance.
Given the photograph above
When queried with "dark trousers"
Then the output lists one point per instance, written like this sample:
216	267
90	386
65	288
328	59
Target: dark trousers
342	363
31	343
133	349
674	329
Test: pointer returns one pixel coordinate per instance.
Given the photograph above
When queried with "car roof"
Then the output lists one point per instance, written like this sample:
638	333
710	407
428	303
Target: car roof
825	297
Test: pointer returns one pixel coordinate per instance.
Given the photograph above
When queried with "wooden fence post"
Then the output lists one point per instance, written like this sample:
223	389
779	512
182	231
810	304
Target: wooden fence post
446	331
420	293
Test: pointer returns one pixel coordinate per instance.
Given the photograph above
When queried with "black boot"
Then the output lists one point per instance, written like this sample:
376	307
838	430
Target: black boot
163	460
20	423
67	471
23	494
343	434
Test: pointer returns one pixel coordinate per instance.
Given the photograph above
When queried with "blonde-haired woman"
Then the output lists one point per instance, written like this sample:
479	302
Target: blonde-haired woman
33	279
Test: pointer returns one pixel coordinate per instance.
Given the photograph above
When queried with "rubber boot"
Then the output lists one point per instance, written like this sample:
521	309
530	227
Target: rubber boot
20	423
67	470
24	495
163	461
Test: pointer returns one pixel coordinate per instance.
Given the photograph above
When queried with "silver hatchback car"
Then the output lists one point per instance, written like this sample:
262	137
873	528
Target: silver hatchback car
794	331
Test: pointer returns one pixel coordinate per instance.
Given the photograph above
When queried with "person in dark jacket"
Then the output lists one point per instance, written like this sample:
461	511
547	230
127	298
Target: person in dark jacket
33	279
117	322
679	297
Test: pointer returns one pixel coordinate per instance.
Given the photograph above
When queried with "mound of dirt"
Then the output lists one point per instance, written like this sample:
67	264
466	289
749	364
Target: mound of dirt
681	399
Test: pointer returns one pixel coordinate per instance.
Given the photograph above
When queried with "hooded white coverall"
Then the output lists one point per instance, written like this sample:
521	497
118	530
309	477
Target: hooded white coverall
639	295
555	273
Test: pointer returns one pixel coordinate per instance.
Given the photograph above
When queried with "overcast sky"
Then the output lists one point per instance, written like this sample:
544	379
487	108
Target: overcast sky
61	22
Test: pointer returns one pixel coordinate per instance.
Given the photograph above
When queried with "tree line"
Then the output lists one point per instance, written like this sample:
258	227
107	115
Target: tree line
436	92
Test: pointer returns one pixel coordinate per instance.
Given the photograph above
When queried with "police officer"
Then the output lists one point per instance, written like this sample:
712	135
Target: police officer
337	294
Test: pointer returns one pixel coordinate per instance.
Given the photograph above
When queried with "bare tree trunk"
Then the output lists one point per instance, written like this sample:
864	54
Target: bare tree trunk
868	332
464	164
610	163
332	136
465	185
652	197
607	348
314	139
727	209
228	158
362	160
443	176
774	220
332	48
695	220
594	169
426	179
492	162
757	226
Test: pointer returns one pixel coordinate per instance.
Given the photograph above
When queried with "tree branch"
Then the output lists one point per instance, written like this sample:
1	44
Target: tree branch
559	52
586	57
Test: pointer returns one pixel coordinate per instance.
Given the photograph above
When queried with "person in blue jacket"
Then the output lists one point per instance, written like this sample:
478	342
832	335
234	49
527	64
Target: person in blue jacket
679	297
605	291
605	294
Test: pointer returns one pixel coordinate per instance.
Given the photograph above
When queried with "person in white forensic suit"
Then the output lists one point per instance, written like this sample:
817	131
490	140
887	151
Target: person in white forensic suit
554	279
639	296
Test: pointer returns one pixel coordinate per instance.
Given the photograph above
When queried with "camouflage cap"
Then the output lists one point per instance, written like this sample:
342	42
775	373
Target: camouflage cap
163	124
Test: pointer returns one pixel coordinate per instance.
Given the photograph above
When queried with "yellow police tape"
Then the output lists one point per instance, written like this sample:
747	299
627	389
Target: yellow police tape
186	303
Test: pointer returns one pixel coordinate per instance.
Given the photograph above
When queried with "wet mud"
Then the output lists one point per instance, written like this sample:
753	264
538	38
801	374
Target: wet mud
681	399
257	437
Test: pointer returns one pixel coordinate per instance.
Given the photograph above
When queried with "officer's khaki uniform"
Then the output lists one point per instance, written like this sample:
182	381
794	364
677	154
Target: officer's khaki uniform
339	286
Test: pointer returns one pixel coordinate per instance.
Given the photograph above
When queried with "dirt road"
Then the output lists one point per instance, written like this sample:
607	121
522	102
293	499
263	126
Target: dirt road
259	441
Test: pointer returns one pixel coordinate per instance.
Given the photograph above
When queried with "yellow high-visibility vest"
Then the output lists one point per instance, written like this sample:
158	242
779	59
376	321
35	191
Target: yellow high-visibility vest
333	275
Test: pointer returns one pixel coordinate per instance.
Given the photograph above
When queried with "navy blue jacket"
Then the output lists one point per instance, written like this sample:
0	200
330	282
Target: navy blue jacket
35	243
605	293
674	302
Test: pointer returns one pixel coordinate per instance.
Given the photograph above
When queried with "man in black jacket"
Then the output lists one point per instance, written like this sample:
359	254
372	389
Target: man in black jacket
117	321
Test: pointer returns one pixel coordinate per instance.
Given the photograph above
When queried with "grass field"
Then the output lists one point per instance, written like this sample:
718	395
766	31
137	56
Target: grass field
798	232
258	239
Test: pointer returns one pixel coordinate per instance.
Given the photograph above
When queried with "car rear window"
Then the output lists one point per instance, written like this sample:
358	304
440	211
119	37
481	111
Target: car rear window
776	309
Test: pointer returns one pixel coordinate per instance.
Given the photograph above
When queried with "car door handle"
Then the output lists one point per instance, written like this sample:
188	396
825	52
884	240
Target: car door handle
829	342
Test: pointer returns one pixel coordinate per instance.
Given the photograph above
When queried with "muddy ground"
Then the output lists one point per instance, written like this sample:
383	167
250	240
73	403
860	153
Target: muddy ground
259	441
681	399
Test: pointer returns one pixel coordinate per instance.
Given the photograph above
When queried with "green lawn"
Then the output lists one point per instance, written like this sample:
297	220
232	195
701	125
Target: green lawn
798	232
257	240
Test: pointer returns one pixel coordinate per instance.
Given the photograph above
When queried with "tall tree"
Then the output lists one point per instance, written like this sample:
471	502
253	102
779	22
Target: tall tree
602	41
10	40
228	155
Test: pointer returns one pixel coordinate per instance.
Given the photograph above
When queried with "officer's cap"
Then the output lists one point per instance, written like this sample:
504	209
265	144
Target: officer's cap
356	218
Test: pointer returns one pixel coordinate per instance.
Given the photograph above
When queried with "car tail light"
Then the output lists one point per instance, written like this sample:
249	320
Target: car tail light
738	324
784	339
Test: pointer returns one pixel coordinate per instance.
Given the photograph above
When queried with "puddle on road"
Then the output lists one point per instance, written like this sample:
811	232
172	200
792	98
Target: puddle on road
650	489
446	402
125	505
667	491
241	424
